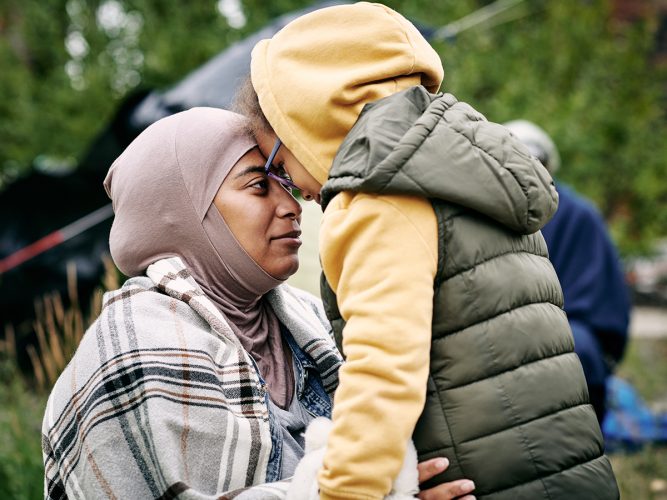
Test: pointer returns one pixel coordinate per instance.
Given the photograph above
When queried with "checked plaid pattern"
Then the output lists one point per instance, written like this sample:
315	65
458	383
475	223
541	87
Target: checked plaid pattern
161	400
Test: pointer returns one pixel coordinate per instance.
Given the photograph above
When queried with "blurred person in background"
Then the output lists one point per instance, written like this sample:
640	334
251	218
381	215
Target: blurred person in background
589	270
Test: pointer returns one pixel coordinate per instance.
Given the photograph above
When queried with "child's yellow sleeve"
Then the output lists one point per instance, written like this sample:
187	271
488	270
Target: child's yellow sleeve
379	255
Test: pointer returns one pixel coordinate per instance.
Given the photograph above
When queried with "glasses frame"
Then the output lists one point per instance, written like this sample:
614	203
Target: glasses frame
267	169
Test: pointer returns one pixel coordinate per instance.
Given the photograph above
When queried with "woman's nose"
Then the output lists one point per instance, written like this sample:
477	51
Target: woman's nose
289	206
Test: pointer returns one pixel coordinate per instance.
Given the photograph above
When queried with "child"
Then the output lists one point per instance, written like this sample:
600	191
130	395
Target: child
436	277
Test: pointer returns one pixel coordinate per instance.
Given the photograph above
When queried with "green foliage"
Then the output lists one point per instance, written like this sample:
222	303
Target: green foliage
642	474
42	113
644	366
55	101
588	80
21	410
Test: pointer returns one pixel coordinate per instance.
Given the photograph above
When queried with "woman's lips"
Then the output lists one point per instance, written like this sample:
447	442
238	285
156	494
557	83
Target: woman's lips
292	238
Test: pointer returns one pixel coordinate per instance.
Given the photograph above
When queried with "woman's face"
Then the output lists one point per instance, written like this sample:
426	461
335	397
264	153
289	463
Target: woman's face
309	187
263	216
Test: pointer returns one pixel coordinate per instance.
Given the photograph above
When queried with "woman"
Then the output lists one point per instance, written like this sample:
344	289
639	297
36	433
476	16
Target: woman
437	280
202	371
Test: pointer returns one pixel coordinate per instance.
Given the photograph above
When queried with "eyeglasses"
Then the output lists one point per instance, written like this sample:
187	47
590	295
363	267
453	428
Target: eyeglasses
286	182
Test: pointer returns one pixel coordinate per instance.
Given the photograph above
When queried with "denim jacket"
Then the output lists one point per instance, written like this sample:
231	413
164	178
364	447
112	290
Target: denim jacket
310	393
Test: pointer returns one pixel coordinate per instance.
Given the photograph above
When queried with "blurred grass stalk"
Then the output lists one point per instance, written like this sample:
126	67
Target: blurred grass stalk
59	329
8	345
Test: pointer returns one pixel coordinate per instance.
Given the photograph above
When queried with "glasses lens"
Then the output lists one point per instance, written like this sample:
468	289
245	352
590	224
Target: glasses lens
278	173
281	176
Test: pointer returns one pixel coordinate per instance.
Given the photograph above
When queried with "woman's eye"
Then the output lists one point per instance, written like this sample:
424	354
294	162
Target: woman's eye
261	184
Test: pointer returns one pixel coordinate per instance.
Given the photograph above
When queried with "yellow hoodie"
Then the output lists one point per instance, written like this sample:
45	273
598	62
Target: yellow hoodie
378	253
315	75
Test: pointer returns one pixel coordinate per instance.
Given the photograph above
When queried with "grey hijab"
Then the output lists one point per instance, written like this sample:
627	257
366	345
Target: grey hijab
162	188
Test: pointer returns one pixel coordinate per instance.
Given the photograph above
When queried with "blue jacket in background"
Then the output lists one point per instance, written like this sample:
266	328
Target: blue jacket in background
596	296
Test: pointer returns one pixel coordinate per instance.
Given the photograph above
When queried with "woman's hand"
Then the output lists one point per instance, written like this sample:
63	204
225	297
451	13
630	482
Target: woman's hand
445	491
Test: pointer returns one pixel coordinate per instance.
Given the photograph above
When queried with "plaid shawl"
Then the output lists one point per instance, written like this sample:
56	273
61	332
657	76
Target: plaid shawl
161	400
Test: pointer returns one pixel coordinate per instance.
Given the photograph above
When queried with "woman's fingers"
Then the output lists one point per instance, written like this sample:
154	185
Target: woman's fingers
445	491
448	491
431	468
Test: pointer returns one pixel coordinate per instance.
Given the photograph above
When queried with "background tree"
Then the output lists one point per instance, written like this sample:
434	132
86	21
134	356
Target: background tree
590	82
66	65
568	66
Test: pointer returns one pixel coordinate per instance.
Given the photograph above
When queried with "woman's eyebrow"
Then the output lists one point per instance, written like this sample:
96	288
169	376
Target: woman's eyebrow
253	169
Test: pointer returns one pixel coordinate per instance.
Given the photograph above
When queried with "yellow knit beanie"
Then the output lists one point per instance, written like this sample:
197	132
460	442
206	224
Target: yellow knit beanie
315	75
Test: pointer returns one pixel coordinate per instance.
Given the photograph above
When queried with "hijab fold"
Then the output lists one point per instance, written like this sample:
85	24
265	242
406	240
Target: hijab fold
162	188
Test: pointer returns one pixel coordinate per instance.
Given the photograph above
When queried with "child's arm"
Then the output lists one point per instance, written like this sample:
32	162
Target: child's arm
379	255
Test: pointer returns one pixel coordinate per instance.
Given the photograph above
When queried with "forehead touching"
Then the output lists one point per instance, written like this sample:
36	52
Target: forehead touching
250	163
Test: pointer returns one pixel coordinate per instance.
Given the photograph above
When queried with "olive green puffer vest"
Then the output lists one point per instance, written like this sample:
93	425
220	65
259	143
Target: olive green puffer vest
506	399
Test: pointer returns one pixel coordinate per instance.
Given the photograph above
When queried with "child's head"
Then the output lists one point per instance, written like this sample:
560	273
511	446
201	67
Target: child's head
313	78
247	103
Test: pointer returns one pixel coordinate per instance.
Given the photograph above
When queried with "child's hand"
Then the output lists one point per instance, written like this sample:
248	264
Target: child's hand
445	491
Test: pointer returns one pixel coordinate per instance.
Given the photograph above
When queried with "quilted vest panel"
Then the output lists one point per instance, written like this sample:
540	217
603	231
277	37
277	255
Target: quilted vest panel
506	401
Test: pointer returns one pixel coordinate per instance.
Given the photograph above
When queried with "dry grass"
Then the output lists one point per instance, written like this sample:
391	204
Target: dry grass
59	329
